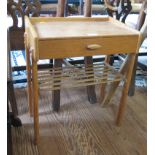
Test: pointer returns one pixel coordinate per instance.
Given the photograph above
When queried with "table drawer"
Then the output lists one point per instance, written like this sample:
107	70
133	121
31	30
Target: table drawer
74	47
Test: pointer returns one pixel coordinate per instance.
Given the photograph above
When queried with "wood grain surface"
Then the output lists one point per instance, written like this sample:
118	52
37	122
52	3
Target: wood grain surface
81	128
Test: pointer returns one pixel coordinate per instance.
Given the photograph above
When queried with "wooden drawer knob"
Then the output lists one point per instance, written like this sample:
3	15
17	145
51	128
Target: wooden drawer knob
93	46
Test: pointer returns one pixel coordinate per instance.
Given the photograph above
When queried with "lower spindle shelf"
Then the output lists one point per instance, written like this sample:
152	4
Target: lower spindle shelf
77	76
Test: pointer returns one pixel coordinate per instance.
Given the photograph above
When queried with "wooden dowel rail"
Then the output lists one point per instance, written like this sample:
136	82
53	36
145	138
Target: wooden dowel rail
70	78
44	79
76	66
84	76
75	69
78	85
79	71
79	74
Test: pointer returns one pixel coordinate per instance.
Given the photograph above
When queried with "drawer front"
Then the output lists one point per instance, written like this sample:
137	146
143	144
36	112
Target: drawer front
61	48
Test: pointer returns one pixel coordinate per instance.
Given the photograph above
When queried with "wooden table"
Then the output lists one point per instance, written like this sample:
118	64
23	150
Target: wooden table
48	37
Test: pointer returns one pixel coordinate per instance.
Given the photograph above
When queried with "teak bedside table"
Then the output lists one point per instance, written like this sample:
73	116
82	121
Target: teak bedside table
51	37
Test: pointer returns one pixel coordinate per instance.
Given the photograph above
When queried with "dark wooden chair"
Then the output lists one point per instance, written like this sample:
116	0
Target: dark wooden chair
58	62
142	27
16	9
121	13
16	38
12	118
118	8
72	7
10	88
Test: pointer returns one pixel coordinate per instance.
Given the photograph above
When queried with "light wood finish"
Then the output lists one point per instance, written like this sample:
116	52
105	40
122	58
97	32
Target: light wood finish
81	128
123	71
32	38
28	68
35	100
127	69
81	41
103	86
69	77
73	28
114	86
79	44
140	22
125	90
79	47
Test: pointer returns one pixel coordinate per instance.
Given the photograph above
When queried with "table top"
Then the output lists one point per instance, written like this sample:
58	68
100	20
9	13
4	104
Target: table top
53	37
54	28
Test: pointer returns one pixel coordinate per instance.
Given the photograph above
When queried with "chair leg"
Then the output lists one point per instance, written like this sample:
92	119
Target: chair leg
56	93
9	136
90	89
35	101
11	97
125	90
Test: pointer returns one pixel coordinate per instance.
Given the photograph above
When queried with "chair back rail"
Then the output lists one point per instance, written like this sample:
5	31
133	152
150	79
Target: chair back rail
120	7
17	9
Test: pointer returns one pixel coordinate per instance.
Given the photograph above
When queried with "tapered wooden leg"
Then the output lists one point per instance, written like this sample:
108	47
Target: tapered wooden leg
103	85
90	89
35	101
114	85
56	93
125	90
132	83
29	84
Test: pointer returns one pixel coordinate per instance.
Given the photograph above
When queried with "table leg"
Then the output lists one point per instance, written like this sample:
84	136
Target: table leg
35	100
56	93
103	85
132	83
90	89
125	90
29	84
114	85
